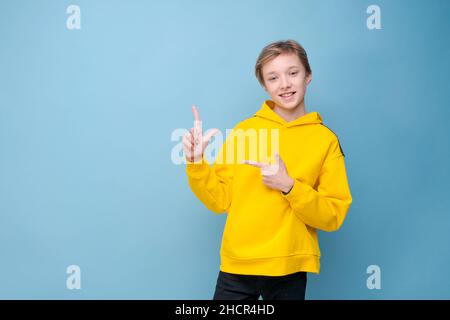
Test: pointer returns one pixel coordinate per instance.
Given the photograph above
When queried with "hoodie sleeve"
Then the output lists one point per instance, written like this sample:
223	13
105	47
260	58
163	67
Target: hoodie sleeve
212	185
325	206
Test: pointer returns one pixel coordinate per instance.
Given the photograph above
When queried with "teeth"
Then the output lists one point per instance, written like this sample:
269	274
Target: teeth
287	94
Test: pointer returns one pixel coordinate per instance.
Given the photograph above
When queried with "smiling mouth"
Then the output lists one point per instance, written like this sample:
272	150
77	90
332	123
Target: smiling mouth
287	95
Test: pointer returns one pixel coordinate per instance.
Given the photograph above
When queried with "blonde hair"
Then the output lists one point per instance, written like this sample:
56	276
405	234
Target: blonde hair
274	49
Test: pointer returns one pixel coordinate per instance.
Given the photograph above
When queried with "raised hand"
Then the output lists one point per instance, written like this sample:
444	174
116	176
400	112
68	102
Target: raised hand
274	176
194	143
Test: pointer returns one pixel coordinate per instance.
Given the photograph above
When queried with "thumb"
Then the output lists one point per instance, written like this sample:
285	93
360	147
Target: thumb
278	159
278	162
277	156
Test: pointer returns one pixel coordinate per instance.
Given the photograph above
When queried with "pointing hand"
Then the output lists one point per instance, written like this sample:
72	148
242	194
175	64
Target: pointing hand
274	176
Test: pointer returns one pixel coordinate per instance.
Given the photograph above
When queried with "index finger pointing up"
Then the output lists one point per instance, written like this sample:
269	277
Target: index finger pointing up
195	111
196	118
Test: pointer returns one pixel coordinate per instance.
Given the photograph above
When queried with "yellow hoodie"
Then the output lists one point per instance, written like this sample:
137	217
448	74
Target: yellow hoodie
268	232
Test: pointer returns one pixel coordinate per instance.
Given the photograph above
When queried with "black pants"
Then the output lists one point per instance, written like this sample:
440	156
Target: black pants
232	286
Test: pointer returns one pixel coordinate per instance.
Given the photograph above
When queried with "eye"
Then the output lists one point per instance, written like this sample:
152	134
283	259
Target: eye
271	79
294	73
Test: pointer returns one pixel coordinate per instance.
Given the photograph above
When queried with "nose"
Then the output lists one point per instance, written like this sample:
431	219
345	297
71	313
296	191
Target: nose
285	83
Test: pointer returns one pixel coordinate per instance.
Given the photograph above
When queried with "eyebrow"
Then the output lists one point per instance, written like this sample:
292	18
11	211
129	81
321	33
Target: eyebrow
287	68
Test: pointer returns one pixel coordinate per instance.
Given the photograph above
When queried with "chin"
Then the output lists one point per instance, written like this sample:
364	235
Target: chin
289	105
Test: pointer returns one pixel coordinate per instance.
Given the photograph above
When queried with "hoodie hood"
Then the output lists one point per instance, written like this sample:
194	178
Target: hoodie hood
266	112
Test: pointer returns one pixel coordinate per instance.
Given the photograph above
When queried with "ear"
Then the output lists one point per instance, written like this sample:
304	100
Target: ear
308	78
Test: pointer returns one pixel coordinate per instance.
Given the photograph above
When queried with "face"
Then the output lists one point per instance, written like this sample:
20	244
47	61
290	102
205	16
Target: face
286	81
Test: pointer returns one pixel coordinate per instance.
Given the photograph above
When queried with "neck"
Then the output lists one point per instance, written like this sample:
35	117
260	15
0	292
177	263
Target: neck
290	114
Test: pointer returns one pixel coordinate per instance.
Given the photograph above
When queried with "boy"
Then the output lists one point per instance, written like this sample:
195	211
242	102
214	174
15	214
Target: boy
270	237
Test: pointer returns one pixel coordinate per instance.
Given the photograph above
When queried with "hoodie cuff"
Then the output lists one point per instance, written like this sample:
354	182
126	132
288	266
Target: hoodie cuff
197	169
297	190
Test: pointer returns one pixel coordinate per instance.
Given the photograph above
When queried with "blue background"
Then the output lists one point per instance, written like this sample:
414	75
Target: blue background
86	116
